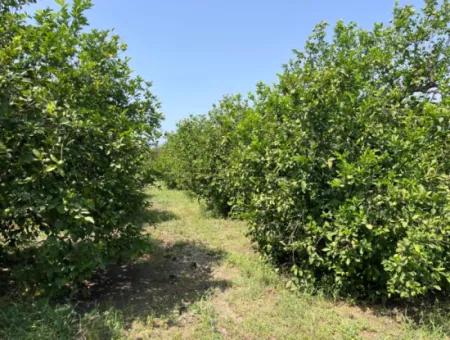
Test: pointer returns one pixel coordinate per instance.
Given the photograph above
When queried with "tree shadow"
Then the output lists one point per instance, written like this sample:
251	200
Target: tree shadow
430	311
21	257
164	282
153	216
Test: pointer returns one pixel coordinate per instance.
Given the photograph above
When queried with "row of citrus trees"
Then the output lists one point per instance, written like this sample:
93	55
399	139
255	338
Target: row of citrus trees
75	129
341	167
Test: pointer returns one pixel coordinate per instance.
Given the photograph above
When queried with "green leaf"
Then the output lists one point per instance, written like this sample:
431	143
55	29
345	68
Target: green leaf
37	153
89	219
50	168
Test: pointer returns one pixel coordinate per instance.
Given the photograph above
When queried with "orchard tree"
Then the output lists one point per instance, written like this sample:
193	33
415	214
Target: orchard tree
76	127
341	167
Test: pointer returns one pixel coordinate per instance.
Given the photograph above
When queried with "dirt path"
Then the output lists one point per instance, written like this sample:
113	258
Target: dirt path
202	280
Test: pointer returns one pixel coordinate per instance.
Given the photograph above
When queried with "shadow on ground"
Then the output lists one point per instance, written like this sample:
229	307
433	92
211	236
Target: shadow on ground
154	216
160	284
429	311
176	275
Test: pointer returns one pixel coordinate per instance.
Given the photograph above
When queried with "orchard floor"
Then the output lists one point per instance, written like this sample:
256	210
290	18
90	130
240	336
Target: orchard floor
203	280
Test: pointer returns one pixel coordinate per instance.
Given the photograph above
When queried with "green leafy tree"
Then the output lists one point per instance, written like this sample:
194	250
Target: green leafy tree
342	167
76	127
196	157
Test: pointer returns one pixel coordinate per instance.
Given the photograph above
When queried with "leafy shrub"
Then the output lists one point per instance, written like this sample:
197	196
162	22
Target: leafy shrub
75	133
195	158
342	167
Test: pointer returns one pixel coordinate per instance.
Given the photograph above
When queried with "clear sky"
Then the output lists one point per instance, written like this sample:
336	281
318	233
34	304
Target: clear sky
196	51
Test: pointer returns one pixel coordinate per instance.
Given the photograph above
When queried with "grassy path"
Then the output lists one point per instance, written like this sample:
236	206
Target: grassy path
206	282
202	280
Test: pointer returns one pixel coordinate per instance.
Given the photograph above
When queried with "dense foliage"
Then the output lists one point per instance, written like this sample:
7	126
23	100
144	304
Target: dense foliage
76	127
195	157
343	166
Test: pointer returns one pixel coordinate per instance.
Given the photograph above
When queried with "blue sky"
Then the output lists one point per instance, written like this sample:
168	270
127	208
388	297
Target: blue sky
196	51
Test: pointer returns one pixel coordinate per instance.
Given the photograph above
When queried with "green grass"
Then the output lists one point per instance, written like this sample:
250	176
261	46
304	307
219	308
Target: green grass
204	281
41	320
